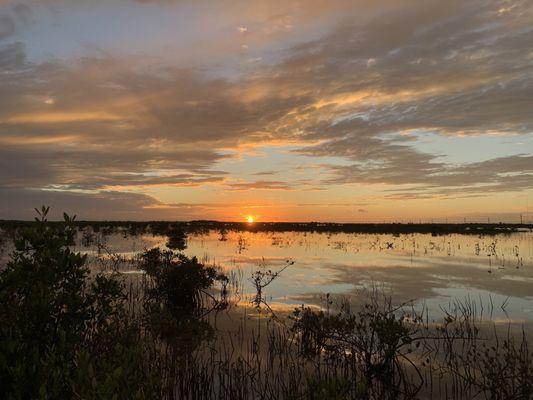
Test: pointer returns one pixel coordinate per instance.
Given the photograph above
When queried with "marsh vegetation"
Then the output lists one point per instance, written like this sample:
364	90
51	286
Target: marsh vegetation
81	320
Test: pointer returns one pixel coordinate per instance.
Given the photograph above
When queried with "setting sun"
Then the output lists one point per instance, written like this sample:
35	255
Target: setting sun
250	219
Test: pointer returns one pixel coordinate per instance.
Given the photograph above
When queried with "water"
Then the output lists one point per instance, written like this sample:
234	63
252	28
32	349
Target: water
494	272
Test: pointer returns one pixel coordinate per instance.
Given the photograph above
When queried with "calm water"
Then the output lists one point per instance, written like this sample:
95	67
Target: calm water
430	270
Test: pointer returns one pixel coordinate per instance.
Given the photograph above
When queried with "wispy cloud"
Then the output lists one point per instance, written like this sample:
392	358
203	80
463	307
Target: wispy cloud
260	185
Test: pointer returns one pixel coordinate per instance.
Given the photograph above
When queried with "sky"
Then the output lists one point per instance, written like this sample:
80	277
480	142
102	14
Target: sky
293	110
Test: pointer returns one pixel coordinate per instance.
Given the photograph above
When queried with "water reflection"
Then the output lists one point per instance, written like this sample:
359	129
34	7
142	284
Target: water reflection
432	270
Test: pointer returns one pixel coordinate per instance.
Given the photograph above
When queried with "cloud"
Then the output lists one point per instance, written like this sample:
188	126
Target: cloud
260	185
23	12
511	173
266	173
110	125
12	57
451	68
7	26
356	93
19	203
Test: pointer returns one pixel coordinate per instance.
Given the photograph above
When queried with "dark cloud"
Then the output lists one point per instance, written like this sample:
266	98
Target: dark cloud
266	173
48	166
511	173
18	203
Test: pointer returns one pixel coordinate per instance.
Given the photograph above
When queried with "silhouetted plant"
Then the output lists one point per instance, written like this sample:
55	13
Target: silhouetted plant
223	235
180	283
491	366
177	239
55	323
88	237
261	278
375	337
177	297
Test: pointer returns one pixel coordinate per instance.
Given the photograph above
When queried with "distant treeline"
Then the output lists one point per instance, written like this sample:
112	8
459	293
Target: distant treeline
202	226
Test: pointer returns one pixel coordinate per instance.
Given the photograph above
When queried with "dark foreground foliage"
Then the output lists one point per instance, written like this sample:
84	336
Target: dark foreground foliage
63	335
66	334
176	298
376	341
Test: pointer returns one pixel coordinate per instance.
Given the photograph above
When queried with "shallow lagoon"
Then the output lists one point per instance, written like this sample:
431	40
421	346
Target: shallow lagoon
493	272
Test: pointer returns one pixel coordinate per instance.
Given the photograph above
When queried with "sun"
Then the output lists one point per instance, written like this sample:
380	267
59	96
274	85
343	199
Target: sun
250	219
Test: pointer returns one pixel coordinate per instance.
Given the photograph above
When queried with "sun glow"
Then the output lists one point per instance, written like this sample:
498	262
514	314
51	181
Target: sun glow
250	219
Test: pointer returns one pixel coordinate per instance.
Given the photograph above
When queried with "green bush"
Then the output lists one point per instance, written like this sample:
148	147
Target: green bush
64	334
179	283
177	297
